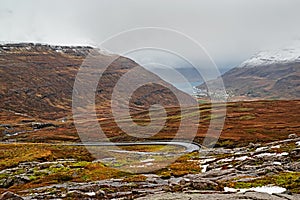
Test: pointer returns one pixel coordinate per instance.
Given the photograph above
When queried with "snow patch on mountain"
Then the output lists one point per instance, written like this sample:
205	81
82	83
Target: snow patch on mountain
281	56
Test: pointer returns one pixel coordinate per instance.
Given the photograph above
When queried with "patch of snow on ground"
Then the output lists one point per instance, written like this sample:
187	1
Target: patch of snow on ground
204	168
283	154
147	160
137	166
265	154
242	158
207	160
149	164
228	189
91	193
263	189
277	163
271	154
275	147
225	160
261	149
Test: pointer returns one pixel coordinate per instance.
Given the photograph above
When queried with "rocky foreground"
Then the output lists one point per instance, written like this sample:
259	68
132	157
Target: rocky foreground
220	196
225	174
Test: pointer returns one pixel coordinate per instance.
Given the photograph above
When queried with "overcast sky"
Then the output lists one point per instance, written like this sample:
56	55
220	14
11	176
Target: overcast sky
230	30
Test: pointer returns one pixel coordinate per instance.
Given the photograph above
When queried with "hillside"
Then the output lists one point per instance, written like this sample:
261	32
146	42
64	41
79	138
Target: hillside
266	75
277	81
37	86
37	80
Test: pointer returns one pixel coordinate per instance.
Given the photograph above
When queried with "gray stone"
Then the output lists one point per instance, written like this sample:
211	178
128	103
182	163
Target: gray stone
77	195
203	184
59	166
6	182
10	196
293	136
100	194
24	178
294	166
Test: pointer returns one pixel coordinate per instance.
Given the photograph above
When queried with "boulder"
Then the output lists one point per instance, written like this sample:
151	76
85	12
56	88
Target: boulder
203	184
77	195
21	179
292	136
6	182
100	194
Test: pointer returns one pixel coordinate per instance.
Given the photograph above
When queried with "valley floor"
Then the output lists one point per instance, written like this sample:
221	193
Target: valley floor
259	147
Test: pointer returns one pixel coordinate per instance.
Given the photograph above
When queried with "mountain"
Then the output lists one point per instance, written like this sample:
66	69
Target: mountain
36	87
37	80
283	56
266	75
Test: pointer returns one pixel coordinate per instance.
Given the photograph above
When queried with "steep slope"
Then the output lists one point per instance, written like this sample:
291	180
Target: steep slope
37	80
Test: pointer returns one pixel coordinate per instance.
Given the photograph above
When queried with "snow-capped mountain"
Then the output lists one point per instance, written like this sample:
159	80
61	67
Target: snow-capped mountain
281	56
271	74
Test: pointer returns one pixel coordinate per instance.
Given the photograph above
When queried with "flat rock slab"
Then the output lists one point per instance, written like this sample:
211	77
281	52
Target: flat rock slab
233	196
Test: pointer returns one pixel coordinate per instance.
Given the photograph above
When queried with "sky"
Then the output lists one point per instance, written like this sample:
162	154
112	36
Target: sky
229	30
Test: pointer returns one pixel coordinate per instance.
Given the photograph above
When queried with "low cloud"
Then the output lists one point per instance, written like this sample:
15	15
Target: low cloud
230	30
